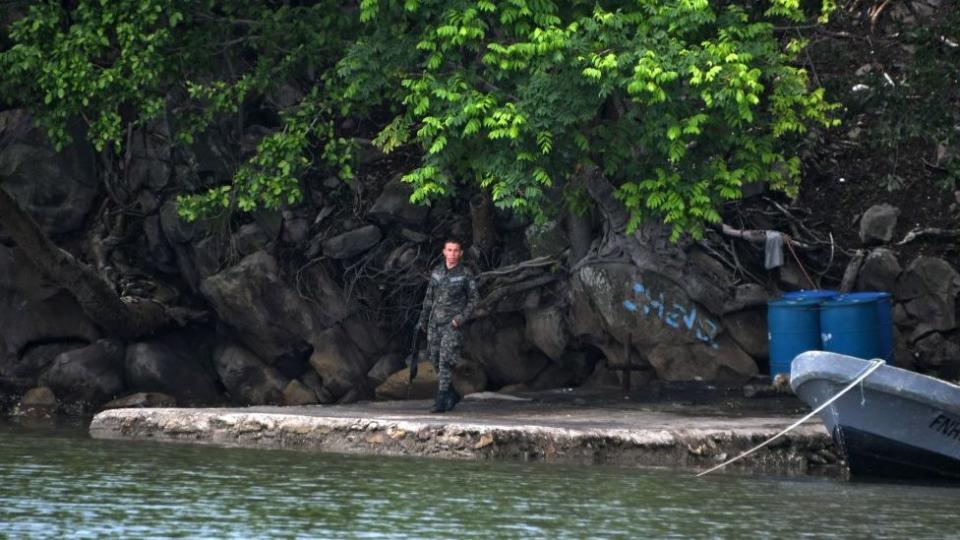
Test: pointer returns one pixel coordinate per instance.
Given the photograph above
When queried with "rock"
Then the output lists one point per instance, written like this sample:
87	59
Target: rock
208	256
878	223
387	365
59	189
364	334
394	206
174	227
250	239
602	377
497	344
313	381
150	157
27	318
160	255
338	361
352	243
34	360
748	295
424	385
297	393
41	397
547	239
927	290
92	375
553	376
171	366
748	328
248	380
879	271
295	230
469	378
679	336
329	303
935	352
271	317
545	330
142	400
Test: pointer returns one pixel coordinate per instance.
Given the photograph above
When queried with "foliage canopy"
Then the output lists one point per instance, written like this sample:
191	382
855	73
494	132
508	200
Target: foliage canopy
679	103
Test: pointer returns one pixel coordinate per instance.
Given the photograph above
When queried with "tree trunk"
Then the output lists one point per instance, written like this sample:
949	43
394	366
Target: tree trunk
124	318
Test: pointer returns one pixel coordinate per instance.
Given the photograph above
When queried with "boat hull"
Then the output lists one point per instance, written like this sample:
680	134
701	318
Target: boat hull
895	424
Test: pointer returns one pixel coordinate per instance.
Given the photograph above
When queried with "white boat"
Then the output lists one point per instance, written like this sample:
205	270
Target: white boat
895	423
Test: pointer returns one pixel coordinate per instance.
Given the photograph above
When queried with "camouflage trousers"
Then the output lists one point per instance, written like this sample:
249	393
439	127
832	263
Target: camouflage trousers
443	349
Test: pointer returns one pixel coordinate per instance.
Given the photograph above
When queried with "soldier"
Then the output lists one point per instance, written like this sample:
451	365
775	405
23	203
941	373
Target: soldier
451	297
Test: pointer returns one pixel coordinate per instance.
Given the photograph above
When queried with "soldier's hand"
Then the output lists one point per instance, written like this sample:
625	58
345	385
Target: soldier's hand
455	323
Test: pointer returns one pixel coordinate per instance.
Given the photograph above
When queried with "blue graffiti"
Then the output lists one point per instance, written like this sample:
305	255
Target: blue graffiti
678	316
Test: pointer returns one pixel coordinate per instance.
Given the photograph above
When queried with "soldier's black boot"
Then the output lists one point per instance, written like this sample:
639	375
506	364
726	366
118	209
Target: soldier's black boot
452	399
440	402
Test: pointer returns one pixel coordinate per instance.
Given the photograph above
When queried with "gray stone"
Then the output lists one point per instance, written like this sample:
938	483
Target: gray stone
170	366
142	400
248	380
208	256
396	386
325	294
41	397
387	365
150	160
250	238
59	189
879	271
394	206
545	330
27	318
296	393
748	328
469	378
92	375
352	243
175	228
271	317
935	352
295	230
553	376
878	223
680	337
338	361
498	344
928	289
35	360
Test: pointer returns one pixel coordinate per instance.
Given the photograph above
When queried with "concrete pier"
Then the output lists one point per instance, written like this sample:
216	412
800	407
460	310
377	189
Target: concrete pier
691	430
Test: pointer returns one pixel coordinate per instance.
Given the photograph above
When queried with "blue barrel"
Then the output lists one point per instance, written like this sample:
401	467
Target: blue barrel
883	304
811	294
793	327
850	324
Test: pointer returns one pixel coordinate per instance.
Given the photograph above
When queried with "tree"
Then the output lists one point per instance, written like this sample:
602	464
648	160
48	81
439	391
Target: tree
677	104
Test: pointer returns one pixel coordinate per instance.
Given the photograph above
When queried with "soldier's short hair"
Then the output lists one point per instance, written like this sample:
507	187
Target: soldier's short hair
453	240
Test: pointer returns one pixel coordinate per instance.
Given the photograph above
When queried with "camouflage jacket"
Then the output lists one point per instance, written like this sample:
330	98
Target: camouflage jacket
451	294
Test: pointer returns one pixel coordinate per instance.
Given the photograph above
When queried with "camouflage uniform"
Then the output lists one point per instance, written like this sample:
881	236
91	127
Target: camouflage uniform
451	294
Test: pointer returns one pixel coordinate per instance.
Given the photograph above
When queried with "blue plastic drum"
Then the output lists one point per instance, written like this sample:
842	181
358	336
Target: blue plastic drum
883	304
793	327
850	324
811	294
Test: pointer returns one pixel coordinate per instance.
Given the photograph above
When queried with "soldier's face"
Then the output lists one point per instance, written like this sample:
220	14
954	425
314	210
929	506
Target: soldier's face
452	253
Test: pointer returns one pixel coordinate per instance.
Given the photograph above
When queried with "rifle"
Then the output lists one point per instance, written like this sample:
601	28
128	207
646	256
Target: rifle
414	349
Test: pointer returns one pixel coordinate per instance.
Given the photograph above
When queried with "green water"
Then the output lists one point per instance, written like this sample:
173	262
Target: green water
61	484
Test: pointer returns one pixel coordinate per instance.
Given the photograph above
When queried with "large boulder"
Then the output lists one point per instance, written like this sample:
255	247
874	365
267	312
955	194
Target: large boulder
352	243
927	290
879	271
173	366
338	361
498	344
546	331
58	189
878	223
92	375
247	378
680	337
26	320
396	386
394	206
272	318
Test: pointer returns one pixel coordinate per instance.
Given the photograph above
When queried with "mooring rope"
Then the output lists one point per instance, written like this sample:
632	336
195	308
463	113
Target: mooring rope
875	364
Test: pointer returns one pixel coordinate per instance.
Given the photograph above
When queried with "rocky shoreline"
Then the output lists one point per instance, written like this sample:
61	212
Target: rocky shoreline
663	434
